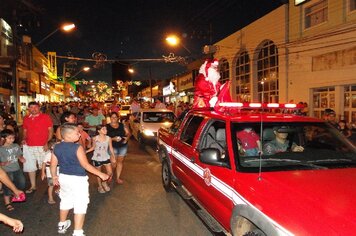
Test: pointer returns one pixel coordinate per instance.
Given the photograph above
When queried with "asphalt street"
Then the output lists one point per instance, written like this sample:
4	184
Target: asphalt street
138	207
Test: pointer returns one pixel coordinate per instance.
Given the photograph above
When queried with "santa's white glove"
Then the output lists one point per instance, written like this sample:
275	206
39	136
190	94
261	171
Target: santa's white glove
213	101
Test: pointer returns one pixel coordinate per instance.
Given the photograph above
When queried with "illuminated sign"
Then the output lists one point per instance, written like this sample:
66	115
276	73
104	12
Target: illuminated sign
298	2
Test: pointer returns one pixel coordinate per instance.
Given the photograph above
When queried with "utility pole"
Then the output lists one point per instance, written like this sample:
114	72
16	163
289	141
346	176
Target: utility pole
15	81
64	81
150	75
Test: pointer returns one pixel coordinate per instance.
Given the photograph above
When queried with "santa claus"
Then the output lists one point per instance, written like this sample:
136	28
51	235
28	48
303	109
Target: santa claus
207	85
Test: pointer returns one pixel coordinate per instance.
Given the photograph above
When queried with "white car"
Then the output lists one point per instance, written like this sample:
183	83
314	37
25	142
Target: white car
144	126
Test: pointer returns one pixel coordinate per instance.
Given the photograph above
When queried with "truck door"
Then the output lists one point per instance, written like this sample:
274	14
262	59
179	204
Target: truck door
184	152
215	183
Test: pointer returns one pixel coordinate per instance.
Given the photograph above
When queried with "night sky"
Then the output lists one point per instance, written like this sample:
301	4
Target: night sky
127	29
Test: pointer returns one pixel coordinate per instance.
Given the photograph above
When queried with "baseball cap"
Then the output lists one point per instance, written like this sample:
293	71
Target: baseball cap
281	129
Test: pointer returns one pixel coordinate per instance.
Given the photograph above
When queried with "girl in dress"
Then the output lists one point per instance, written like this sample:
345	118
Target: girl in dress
101	144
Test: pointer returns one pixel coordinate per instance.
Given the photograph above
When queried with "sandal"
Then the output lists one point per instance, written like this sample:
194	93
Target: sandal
20	198
101	190
51	202
106	188
119	181
9	207
30	190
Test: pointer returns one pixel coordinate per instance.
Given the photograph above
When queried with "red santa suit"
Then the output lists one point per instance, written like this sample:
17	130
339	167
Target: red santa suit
207	85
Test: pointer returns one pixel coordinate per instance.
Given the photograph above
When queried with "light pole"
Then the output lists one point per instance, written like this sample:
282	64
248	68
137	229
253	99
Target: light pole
86	68
65	27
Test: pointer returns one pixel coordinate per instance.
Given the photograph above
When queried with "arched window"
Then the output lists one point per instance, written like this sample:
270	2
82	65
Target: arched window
267	73
243	93
224	71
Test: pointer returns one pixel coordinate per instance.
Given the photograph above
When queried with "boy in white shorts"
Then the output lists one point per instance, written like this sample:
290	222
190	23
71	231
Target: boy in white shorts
72	178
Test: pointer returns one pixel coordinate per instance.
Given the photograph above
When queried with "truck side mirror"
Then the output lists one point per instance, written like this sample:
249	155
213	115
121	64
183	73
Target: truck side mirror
212	156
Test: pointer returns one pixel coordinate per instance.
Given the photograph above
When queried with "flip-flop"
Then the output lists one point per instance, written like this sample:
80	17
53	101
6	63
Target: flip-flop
30	190
9	207
20	198
51	202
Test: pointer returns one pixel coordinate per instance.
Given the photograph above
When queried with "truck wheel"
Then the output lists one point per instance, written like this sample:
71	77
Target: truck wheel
166	176
162	154
246	228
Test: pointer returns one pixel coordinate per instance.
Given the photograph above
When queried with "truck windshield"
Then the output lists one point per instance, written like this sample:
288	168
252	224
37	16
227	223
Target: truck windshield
290	146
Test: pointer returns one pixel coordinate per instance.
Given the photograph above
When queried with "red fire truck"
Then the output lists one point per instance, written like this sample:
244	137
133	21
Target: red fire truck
260	169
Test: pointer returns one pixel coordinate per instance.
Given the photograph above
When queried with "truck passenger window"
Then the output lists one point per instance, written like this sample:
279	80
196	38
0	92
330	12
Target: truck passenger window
190	129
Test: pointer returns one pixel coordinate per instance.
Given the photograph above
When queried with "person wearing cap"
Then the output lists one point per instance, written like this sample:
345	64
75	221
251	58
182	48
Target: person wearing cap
280	143
330	118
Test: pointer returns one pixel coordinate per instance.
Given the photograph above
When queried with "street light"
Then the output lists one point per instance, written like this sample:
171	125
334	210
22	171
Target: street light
65	27
85	68
173	40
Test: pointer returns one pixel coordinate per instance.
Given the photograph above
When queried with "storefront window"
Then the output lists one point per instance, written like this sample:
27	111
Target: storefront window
323	98
350	103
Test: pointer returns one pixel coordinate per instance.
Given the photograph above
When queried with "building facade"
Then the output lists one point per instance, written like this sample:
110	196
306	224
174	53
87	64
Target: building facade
25	73
296	53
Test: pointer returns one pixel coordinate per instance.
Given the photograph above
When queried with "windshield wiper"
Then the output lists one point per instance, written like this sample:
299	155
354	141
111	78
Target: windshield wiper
324	161
288	161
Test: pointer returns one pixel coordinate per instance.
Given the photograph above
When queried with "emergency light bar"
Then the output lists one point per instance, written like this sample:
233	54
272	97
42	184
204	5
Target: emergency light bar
258	105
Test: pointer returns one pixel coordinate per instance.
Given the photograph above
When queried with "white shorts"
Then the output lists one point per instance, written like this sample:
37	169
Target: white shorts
74	193
34	156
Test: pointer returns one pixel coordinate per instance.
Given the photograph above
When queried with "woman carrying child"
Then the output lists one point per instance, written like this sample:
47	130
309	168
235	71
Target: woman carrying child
101	143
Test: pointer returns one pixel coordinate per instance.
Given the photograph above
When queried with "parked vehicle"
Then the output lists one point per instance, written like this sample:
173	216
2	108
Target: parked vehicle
144	126
301	186
124	111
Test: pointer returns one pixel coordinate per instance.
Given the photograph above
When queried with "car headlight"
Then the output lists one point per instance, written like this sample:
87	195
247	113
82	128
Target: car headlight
148	132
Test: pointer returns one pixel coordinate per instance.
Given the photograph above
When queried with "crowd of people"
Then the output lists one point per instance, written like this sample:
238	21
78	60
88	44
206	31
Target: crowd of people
60	135
80	138
348	129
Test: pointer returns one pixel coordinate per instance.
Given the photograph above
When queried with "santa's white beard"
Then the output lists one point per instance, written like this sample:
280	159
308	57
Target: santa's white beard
213	76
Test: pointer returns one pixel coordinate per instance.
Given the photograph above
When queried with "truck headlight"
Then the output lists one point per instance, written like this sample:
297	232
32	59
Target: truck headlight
148	132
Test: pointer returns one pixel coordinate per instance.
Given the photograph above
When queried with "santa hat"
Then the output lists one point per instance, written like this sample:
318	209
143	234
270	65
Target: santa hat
209	63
